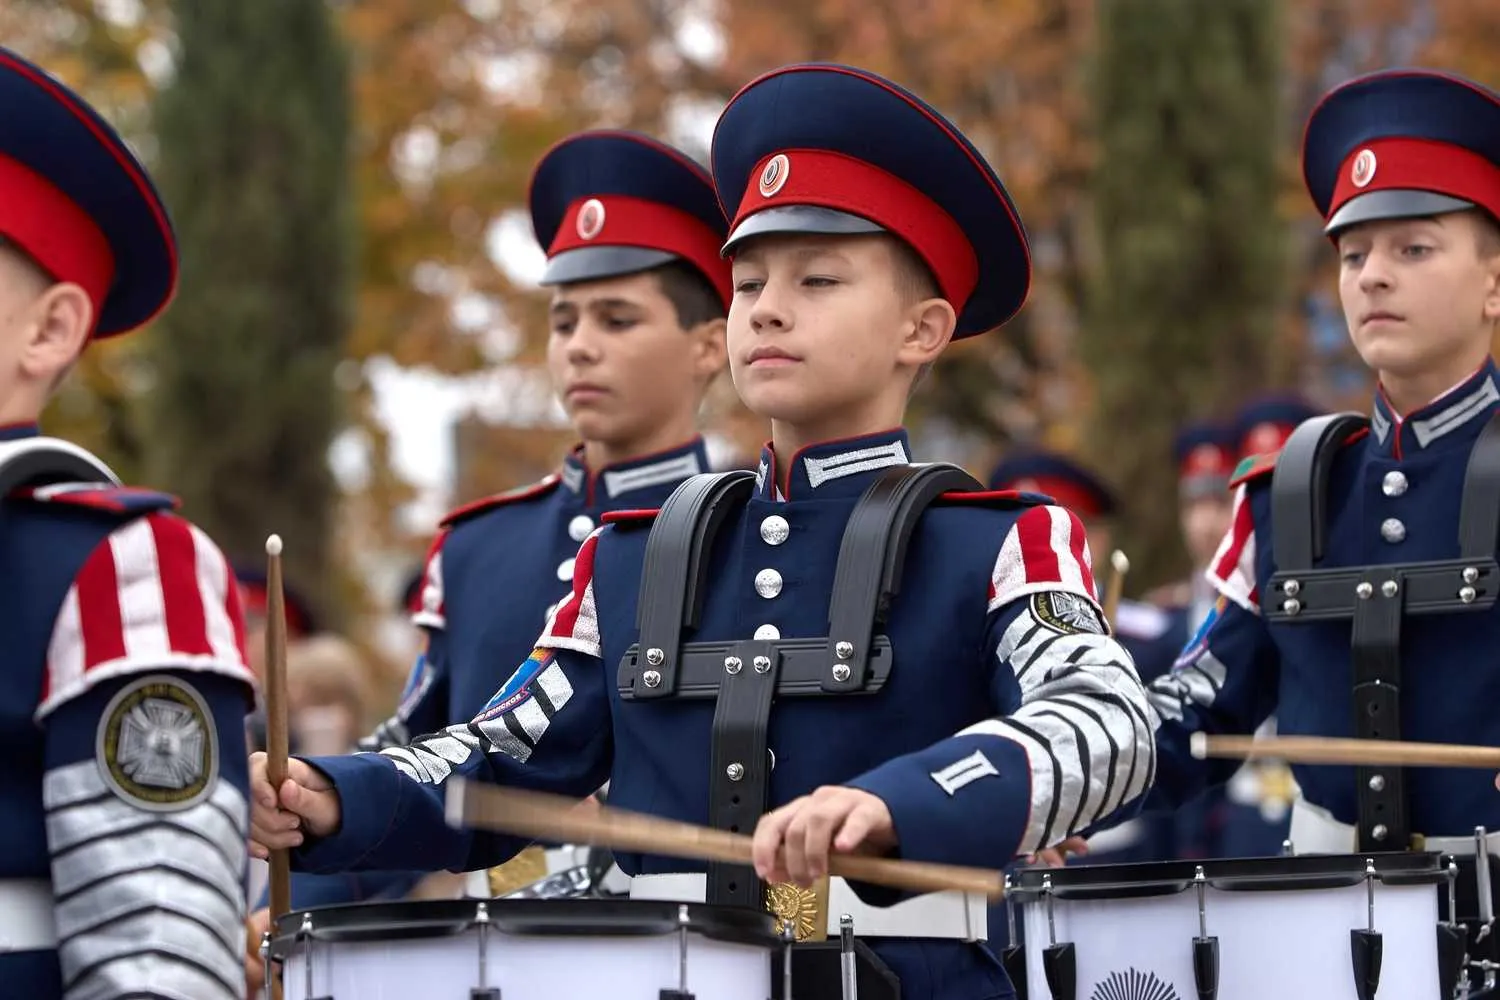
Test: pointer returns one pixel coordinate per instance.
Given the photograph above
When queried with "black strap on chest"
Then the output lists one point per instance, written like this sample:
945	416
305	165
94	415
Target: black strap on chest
41	461
744	677
1375	599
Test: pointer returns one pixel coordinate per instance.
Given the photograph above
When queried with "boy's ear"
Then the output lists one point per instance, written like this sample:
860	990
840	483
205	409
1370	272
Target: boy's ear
57	330
929	330
710	348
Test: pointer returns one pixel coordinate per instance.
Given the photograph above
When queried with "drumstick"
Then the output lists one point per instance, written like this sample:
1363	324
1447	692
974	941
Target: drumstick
555	818
276	721
1116	585
1357	753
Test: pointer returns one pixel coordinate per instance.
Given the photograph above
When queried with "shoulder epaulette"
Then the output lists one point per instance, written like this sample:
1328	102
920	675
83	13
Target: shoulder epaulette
99	496
1002	499
631	518
529	492
1253	467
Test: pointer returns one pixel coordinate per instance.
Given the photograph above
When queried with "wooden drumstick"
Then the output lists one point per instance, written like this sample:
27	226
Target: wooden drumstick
276	715
1356	753
1116	586
555	818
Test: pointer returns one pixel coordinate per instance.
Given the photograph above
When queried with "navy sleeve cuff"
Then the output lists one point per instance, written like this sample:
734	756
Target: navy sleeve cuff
963	801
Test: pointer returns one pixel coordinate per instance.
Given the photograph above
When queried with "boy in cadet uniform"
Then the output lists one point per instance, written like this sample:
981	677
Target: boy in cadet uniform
125	689
1404	166
632	230
867	233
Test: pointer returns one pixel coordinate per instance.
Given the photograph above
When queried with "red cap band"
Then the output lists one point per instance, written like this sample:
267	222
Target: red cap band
832	180
1418	165
54	231
253	599
1265	437
1069	494
1206	460
623	221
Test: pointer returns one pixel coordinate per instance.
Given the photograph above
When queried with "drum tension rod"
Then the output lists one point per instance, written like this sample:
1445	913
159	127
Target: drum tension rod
681	992
1452	940
482	921
1365	946
1205	948
1013	957
848	975
1059	961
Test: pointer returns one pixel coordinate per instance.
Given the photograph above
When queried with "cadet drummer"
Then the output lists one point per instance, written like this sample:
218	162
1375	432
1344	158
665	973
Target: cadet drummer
1405	168
867	233
122	851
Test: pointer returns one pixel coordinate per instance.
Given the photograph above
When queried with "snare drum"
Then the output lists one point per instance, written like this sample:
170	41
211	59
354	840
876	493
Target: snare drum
525	950
1282	926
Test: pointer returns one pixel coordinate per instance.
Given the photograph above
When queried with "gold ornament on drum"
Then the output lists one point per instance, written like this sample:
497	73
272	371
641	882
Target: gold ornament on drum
806	910
526	868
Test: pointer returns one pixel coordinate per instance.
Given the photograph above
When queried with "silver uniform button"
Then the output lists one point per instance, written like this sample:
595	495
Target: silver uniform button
767	633
1392	530
579	527
565	570
774	530
768	583
1394	484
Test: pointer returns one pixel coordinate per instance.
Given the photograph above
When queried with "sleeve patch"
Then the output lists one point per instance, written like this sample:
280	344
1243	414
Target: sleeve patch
157	746
1199	642
518	688
1066	614
962	772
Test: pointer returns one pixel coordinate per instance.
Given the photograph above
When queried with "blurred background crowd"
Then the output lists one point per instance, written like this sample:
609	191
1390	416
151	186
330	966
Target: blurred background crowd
357	345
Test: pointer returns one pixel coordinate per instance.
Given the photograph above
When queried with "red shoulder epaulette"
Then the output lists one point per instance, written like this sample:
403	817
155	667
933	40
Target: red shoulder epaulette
631	518
1003	499
540	488
1253	467
100	496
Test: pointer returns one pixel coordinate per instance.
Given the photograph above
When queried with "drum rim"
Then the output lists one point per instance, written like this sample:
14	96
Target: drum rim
1279	873
396	920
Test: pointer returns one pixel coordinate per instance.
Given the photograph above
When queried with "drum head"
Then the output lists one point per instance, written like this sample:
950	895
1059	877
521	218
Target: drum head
410	919
1161	878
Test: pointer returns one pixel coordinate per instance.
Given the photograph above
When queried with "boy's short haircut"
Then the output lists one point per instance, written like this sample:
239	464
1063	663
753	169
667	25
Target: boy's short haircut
693	298
914	279
1489	233
9	249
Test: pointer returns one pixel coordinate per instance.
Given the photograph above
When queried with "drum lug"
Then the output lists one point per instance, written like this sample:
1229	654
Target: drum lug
1366	946
1060	963
1205	948
1014	959
1452	949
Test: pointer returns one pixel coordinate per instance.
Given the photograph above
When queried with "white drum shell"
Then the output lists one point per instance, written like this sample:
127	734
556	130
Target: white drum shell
528	967
1273	944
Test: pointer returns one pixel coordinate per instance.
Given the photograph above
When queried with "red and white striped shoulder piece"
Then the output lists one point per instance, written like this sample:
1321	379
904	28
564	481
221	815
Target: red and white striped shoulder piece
1232	569
1045	550
155	594
574	624
430	611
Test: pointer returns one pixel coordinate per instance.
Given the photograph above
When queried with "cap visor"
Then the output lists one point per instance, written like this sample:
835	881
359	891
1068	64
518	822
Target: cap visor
803	219
595	263
1392	204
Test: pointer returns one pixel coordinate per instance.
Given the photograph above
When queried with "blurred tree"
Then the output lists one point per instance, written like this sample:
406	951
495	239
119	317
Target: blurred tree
253	135
1183	305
